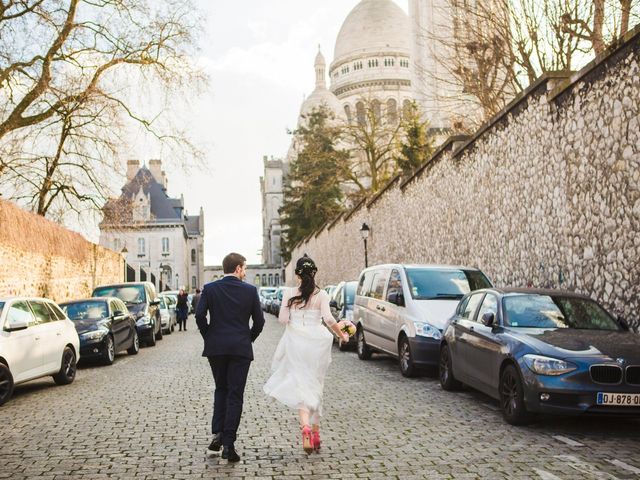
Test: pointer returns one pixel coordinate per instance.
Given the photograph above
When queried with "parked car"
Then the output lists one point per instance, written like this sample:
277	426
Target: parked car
189	299
266	299
276	301
36	340
168	318
342	308
542	351
142	301
105	327
402	309
330	289
170	304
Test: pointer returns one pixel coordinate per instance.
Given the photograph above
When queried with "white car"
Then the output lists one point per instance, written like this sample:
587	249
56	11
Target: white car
36	340
167	314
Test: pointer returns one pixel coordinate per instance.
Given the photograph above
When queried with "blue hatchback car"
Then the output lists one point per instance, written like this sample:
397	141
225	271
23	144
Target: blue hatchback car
542	351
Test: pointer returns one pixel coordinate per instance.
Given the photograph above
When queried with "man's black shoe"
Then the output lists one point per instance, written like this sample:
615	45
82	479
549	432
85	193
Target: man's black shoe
215	446
230	454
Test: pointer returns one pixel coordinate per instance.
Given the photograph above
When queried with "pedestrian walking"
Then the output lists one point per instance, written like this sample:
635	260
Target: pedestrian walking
227	345
303	354
195	300
182	309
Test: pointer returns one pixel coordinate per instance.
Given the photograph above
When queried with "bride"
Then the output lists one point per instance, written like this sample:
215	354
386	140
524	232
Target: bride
303	355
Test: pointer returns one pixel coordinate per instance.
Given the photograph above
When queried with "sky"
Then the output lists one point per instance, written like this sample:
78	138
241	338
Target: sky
259	55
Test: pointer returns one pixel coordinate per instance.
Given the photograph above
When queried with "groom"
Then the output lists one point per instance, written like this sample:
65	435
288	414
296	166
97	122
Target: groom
227	344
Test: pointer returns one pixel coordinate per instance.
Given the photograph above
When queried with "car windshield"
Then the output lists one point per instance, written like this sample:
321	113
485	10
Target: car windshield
163	304
431	284
129	294
86	310
544	311
350	292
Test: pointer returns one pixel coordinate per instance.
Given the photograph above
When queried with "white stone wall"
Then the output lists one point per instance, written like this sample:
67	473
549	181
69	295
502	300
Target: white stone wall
548	196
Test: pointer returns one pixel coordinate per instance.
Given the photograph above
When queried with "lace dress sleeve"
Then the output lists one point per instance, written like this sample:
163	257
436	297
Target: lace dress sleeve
283	317
325	309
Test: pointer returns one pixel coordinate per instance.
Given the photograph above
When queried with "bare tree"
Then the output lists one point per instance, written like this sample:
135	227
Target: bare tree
372	138
69	70
489	51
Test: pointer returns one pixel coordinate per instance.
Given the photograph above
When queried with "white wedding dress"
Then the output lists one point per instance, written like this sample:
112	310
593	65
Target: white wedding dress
303	354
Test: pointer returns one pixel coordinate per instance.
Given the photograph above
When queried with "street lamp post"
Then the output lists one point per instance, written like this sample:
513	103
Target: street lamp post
364	232
124	253
177	281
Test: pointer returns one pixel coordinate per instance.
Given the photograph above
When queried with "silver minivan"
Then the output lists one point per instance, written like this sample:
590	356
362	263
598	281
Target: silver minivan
402	309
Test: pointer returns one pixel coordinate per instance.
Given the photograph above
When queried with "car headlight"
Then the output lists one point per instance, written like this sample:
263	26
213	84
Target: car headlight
97	335
426	330
547	365
143	318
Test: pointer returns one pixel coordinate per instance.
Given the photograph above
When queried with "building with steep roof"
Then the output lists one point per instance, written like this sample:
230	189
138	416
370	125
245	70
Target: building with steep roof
161	242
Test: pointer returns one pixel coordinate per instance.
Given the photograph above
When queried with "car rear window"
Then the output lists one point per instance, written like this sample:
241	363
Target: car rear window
544	311
129	294
86	310
431	284
350	292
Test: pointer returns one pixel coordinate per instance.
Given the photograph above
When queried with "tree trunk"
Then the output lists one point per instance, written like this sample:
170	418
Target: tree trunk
625	6
598	23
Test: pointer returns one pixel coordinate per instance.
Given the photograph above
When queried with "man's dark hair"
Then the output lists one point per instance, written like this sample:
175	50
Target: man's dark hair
231	262
197	290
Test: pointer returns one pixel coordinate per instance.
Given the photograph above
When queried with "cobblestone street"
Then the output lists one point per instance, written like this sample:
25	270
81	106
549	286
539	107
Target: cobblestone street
148	416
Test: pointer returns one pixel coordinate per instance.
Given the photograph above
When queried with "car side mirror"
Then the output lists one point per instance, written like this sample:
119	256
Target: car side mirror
118	315
623	324
333	304
397	298
488	319
15	326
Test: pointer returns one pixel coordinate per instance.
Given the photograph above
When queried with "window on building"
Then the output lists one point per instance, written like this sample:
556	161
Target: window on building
194	282
377	109
165	245
347	112
406	109
389	62
392	111
270	279
264	279
277	279
362	117
193	256
142	250
117	246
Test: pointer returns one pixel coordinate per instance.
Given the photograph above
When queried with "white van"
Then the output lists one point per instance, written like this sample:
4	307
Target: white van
36	340
402	309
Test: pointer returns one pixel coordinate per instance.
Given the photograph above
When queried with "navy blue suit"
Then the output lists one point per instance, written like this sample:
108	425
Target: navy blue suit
229	303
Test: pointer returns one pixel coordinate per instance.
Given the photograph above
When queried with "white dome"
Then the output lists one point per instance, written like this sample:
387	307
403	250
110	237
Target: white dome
321	96
374	26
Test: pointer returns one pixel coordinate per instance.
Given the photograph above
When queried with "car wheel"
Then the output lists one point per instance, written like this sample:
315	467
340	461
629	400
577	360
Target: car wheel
512	397
173	326
67	372
364	351
407	367
159	334
152	340
109	354
168	330
6	384
447	380
135	346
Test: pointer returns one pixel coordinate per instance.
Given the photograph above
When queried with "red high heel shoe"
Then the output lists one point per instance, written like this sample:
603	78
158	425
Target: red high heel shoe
307	441
316	438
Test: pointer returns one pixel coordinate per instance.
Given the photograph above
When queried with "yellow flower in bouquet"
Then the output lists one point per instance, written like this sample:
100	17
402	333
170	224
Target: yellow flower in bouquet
347	327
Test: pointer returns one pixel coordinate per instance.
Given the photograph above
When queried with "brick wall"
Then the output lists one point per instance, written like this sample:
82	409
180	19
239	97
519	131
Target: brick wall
40	258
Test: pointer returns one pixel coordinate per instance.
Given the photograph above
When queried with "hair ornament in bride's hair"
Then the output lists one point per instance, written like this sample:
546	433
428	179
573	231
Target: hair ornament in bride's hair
306	266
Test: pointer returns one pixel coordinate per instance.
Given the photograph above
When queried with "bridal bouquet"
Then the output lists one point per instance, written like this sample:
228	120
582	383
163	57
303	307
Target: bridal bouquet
347	327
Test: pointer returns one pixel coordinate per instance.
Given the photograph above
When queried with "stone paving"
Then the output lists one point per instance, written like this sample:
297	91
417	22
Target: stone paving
148	417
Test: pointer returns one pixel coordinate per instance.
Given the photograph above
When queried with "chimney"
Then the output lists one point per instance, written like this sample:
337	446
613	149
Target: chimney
165	182
132	168
155	167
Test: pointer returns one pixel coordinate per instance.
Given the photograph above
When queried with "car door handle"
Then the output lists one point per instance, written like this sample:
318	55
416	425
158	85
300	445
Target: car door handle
59	334
37	338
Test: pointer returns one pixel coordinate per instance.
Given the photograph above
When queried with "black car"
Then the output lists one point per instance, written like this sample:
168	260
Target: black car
341	305
542	351
105	327
142	301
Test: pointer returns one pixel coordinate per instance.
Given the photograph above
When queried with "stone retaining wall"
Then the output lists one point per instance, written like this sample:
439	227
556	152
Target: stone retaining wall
546	195
40	258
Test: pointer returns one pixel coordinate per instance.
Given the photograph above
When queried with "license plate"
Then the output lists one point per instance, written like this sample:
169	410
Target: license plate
619	399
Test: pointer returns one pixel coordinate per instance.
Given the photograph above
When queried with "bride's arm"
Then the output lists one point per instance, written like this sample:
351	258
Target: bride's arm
283	316
327	316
